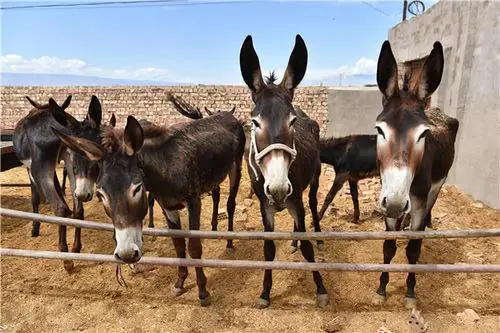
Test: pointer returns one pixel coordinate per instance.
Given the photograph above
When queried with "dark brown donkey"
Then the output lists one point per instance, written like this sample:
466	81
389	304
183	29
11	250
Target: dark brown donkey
415	150
284	154
191	112
353	157
177	166
40	150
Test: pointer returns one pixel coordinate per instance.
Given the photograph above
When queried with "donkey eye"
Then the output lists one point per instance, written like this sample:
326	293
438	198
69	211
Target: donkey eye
380	132
255	123
423	135
137	189
292	121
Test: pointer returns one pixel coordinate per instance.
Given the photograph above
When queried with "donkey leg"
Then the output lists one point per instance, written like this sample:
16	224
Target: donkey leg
234	184
151	204
419	217
196	250
35	203
340	179
47	182
215	209
63	186
269	254
313	205
296	209
294	244
78	213
353	187
174	222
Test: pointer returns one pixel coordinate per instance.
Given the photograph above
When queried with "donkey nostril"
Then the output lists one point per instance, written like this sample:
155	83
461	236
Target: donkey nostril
118	257
406	206
268	189
289	189
384	202
136	254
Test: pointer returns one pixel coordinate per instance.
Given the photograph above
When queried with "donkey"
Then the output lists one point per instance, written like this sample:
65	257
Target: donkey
191	112
177	166
283	156
112	122
415	151
40	150
353	157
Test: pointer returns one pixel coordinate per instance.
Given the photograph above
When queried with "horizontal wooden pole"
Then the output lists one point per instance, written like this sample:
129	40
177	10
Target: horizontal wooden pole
257	235
249	264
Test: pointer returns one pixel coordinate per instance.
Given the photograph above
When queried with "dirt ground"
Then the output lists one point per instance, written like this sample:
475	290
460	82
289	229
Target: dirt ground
38	295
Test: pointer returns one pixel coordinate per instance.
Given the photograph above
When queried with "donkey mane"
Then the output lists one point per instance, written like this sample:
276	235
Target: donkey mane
271	78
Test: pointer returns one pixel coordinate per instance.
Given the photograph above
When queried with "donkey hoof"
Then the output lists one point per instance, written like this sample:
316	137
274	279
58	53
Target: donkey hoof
35	233
68	265
378	299
320	246
206	301
410	303
262	303
322	300
229	250
176	292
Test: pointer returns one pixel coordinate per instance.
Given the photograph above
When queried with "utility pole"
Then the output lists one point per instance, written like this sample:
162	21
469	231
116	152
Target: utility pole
405	9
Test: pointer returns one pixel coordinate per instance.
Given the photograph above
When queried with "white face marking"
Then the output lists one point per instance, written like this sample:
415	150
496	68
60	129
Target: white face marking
275	172
396	183
84	188
128	241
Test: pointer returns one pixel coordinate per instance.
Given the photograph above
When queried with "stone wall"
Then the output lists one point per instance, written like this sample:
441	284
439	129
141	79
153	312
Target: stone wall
470	87
151	103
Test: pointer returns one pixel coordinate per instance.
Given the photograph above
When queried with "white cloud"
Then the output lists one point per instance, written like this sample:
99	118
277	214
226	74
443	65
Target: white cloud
15	63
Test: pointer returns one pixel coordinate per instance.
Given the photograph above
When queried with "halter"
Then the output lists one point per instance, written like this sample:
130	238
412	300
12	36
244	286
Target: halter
259	155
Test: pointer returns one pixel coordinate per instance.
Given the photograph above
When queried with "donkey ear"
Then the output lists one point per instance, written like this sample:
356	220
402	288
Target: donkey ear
57	112
65	105
207	110
133	137
297	65
89	148
250	66
112	120
95	111
35	104
387	71
432	72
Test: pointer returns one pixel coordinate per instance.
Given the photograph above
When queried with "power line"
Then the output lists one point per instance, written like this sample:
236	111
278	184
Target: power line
375	8
105	4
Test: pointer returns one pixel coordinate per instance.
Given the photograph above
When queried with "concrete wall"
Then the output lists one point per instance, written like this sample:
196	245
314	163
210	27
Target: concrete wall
353	110
469	91
150	102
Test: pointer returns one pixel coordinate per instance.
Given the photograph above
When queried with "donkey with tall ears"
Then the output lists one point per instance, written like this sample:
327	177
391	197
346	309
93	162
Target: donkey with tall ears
175	165
415	151
283	156
40	150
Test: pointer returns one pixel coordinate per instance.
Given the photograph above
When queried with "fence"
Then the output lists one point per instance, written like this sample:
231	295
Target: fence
246	264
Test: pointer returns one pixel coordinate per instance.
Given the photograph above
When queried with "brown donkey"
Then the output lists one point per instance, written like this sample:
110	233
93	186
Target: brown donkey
415	150
40	151
177	166
284	154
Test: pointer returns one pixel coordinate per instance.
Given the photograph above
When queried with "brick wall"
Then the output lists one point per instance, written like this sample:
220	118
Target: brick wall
150	102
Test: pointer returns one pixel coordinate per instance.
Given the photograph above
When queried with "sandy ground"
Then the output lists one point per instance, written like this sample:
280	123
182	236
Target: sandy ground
38	295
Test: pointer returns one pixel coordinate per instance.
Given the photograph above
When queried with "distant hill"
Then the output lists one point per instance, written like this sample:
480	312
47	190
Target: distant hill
24	79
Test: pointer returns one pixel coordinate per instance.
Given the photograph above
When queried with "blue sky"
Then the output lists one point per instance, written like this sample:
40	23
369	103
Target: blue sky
197	43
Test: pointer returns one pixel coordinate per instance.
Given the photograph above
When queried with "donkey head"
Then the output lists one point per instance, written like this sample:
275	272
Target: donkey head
273	118
120	183
85	171
402	127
